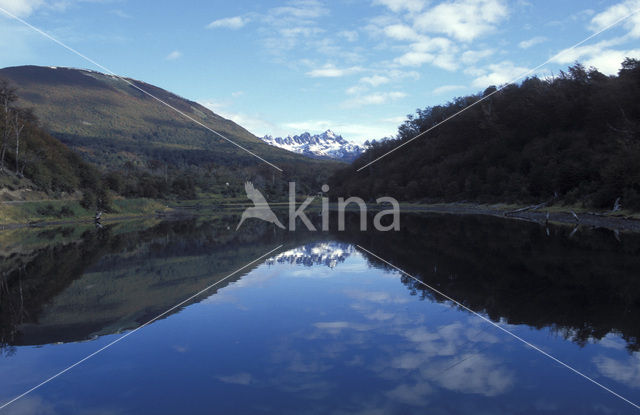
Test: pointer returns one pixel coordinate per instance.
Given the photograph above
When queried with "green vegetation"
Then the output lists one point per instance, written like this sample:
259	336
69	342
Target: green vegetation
135	270
67	210
575	138
32	159
144	149
583	286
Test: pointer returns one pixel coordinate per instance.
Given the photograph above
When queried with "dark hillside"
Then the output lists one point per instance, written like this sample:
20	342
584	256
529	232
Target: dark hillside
575	137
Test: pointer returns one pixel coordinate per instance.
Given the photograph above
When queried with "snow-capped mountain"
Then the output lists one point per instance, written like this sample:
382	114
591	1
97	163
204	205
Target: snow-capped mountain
320	253
325	145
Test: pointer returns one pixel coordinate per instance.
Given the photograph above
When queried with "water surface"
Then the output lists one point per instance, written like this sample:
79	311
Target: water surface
321	326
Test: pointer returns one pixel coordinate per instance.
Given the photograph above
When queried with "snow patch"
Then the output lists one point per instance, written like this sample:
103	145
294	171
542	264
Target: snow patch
325	145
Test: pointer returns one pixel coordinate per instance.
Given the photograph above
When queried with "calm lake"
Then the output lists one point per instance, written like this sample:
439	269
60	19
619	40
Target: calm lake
319	326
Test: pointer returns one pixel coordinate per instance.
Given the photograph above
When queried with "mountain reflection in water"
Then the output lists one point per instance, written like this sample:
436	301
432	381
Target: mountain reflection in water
351	337
322	253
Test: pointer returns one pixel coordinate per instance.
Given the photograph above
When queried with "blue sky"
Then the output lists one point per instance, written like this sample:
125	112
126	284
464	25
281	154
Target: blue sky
355	66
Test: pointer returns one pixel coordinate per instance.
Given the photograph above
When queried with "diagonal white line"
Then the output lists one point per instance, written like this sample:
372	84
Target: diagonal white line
44	382
110	72
524	75
515	336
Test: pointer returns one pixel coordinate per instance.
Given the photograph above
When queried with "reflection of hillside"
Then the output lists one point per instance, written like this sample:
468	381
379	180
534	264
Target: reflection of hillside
98	282
583	286
320	253
108	281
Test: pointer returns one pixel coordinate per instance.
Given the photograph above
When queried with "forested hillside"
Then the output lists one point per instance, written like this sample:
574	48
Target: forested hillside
574	137
144	148
31	158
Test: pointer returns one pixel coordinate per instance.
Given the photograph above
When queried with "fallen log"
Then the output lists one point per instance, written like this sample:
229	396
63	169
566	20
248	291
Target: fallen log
532	207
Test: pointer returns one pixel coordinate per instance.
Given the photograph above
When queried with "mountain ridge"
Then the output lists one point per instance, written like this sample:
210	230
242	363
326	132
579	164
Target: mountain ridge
144	148
327	145
89	110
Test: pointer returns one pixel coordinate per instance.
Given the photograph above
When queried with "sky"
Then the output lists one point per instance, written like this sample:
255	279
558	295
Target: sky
357	67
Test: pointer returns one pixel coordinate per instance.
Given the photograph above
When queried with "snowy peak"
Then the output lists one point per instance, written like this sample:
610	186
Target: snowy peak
325	145
329	254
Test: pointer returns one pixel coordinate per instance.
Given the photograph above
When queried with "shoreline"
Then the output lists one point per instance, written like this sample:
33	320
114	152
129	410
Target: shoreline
557	215
44	224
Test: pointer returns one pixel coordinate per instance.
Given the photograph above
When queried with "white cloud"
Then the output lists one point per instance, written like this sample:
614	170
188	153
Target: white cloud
625	371
459	20
349	35
357	133
472	372
472	56
445	89
301	9
571	55
21	8
446	61
402	5
401	32
236	22
617	12
582	14
607	55
601	55
300	31
395	120
375	80
411	394
427	44
176	54
438	51
120	13
464	20
414	58
237	379
609	61
337	326
526	44
311	126
475	373
356	89
331	71
376	98
296	26
256	124
498	74
367	82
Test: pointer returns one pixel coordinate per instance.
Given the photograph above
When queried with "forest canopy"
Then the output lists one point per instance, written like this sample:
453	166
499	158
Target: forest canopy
574	137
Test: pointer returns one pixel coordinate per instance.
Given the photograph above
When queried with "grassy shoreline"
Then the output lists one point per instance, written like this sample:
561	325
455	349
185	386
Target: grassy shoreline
70	211
58	212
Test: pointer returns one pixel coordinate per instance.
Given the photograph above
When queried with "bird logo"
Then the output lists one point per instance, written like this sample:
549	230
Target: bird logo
260	209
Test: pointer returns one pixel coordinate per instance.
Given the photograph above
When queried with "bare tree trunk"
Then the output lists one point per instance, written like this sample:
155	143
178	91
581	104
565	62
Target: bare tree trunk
7	97
6	131
24	165
17	128
2	156
17	150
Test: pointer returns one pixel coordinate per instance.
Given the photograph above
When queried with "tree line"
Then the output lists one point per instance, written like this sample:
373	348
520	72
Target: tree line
574	137
32	158
13	121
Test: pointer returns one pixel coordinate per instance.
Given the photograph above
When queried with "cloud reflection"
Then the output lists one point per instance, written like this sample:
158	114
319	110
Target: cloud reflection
625	371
